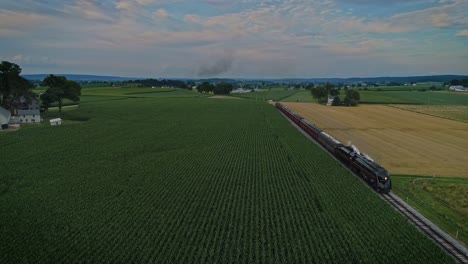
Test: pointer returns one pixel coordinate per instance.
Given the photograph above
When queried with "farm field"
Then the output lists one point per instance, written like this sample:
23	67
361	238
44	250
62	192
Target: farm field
300	96
414	97
273	94
93	94
455	112
404	142
189	180
442	200
138	92
394	97
406	88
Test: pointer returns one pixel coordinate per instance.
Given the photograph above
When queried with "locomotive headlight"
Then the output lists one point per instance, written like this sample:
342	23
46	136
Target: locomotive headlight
385	178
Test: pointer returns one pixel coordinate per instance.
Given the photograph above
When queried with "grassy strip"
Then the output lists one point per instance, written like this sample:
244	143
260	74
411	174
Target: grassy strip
414	97
442	200
458	112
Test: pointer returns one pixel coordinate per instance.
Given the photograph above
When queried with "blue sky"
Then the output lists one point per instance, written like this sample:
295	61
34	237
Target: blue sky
245	38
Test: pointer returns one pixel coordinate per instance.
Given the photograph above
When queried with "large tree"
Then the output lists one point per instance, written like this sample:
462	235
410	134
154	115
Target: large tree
205	87
222	88
12	85
352	97
60	88
321	93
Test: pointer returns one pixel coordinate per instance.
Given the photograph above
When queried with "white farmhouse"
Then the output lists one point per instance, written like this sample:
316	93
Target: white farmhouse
5	116
28	116
27	113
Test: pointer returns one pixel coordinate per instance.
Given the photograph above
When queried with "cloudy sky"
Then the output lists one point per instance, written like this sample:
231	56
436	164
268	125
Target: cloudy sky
244	38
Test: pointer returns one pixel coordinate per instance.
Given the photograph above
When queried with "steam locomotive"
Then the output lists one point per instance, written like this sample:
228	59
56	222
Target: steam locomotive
360	164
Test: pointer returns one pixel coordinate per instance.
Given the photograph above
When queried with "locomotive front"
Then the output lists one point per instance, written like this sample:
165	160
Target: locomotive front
384	183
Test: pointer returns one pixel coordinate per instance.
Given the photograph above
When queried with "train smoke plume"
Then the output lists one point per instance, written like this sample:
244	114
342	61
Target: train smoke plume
217	67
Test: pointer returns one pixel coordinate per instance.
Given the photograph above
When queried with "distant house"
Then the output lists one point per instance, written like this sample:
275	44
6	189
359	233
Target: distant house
5	116
26	112
458	88
330	100
28	116
240	91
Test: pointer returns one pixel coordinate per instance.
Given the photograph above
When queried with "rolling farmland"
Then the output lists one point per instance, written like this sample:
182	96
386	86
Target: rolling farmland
413	97
395	97
189	180
275	94
455	112
404	142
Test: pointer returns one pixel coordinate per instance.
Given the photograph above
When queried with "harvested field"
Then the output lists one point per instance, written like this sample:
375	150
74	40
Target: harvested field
404	142
455	112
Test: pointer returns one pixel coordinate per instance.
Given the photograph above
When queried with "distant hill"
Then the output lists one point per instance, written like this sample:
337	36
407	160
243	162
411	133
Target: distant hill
81	78
408	79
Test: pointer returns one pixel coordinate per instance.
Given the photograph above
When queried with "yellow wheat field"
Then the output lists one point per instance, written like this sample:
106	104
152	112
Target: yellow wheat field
404	142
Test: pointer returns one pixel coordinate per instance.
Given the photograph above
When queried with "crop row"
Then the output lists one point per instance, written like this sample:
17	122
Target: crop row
190	180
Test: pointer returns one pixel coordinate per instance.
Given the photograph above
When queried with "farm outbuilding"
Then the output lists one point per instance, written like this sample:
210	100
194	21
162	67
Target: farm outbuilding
5	116
55	122
458	88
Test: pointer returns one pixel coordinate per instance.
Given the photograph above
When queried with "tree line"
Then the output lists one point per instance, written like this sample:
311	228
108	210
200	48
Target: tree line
322	92
13	87
463	82
161	83
219	88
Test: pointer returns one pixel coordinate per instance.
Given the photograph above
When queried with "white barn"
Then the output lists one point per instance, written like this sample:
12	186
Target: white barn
5	116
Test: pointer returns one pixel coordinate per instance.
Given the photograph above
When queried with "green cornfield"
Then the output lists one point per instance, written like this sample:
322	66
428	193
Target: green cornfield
182	180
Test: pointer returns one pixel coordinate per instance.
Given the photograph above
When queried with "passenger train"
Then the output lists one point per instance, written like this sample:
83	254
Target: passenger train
362	165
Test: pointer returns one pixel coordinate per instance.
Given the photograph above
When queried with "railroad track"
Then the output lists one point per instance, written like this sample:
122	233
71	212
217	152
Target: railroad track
450	245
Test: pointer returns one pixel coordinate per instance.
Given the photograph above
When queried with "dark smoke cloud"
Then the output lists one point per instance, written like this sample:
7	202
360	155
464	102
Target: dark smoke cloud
217	67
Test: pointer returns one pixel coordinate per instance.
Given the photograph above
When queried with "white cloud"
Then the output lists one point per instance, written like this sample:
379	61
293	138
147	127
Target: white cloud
135	4
364	47
192	19
87	9
17	23
462	33
20	58
161	14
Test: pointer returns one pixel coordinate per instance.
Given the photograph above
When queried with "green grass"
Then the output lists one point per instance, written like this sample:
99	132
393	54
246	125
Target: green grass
119	93
394	97
442	200
300	96
177	180
454	112
414	97
403	88
138	92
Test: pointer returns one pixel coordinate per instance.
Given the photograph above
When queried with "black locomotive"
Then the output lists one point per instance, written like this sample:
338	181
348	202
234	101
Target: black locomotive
368	169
